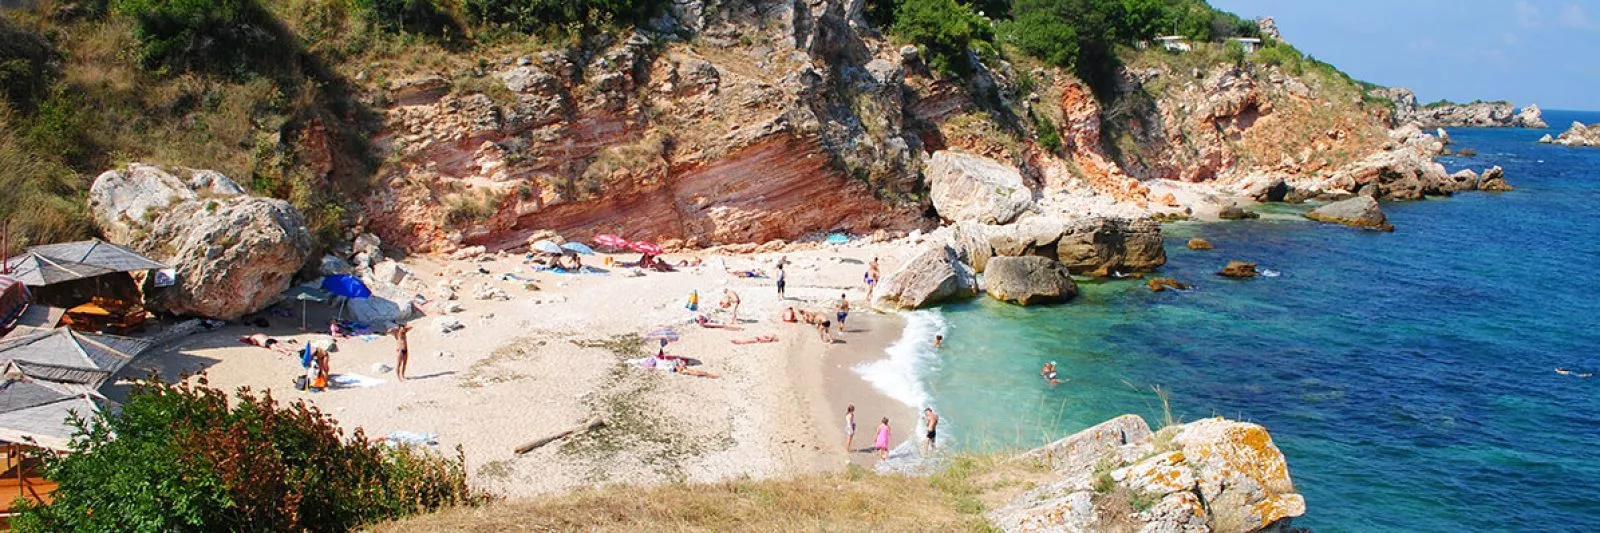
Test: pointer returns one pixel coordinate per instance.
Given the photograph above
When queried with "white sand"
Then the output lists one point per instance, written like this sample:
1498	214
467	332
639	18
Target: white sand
516	373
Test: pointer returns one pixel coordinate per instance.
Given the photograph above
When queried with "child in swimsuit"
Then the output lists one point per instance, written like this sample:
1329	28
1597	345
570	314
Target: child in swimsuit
882	442
849	426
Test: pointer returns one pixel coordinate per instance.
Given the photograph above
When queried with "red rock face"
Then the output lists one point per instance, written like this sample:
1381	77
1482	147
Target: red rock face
780	188
1081	140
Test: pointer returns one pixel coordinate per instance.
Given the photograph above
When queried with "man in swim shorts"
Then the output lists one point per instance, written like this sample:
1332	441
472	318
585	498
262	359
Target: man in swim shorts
931	420
844	311
783	278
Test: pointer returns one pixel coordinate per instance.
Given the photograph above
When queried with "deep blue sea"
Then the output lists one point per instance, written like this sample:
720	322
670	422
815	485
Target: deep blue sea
1408	376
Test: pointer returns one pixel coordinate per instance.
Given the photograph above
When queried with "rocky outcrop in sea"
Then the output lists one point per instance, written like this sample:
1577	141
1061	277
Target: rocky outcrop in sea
1452	115
1576	135
1208	475
1029	280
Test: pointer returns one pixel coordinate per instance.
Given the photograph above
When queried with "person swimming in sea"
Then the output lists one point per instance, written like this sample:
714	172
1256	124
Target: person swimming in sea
1049	372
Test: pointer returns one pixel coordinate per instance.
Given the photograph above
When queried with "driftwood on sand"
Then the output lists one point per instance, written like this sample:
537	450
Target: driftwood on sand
590	425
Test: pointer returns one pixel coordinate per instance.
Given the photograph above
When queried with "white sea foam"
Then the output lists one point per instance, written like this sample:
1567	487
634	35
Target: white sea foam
1270	273
899	375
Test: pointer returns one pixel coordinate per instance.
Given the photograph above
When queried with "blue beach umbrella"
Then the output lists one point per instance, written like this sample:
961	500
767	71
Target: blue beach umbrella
578	247
546	247
347	286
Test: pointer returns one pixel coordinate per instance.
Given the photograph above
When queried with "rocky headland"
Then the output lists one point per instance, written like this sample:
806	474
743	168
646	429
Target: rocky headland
1443	114
1576	135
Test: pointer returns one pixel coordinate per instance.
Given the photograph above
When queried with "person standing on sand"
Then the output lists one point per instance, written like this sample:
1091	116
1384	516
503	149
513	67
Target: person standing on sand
844	310
872	276
882	442
931	420
783	277
402	351
849	427
730	300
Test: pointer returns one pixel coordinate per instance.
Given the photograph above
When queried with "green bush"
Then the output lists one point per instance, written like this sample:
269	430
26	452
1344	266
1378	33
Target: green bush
944	30
232	37
1049	136
27	66
416	16
534	16
180	458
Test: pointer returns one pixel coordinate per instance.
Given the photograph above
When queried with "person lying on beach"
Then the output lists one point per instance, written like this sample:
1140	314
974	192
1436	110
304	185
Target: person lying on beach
261	340
757	340
690	262
705	322
337	330
748	273
682	367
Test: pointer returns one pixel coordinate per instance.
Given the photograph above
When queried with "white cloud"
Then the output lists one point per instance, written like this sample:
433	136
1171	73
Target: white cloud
1509	38
1527	15
1573	16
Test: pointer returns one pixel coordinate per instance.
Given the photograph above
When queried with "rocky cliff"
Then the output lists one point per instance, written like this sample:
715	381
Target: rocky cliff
1453	115
765	120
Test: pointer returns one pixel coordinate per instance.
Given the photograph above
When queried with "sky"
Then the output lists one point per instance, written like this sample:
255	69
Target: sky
1545	52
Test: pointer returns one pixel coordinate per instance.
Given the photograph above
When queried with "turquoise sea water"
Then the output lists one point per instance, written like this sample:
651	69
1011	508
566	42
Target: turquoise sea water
1408	377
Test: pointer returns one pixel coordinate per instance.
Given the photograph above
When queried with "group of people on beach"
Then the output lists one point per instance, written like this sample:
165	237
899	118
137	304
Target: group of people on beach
880	442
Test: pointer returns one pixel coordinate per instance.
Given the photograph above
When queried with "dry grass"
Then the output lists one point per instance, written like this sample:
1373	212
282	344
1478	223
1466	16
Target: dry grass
841	501
952	499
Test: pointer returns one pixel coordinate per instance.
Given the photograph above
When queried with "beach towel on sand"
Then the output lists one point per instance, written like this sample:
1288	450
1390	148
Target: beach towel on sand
399	437
355	380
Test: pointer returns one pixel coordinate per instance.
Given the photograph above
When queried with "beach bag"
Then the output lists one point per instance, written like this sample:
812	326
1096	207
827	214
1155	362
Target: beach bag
300	382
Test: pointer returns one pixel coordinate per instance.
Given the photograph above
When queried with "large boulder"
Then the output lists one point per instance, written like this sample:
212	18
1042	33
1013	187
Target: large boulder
234	254
966	187
1209	475
1099	246
1407	171
123	202
934	275
1360	212
1029	280
1095	246
1236	466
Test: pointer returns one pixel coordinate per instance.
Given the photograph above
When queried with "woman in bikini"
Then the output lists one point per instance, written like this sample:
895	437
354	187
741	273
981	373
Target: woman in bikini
402	351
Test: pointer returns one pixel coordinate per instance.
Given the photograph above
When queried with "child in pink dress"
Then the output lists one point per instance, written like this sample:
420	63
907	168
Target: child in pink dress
882	442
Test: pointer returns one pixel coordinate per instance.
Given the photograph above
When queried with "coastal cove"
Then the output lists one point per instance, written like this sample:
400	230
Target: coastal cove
1408	377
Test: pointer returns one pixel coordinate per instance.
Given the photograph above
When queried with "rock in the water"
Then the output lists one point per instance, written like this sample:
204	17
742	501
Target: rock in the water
1029	280
234	254
1101	245
1161	284
1360	212
936	274
1578	135
1234	212
966	187
1406	172
1494	180
1464	180
1209	475
1238	269
1530	116
1546	139
1199	244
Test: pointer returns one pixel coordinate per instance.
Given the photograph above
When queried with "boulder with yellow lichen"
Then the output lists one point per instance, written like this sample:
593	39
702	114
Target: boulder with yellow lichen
1209	475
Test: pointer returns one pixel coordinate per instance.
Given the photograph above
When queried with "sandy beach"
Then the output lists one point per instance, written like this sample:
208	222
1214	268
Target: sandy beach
555	353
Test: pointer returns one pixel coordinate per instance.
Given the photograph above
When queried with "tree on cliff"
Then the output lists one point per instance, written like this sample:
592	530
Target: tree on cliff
180	458
944	30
